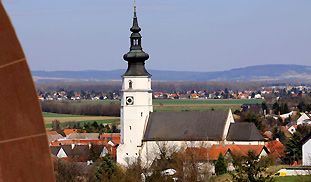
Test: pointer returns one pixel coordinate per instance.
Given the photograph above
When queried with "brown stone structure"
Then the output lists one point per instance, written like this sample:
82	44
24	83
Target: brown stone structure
24	150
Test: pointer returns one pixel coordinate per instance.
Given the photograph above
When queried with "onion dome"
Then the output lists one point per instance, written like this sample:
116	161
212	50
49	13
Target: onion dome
136	57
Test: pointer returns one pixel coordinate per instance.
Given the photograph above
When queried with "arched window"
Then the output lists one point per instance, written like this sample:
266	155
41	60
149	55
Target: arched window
130	84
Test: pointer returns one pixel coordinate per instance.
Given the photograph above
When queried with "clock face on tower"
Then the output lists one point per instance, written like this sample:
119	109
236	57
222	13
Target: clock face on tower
129	100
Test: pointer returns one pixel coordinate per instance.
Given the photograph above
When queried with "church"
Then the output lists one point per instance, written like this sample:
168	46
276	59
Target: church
142	129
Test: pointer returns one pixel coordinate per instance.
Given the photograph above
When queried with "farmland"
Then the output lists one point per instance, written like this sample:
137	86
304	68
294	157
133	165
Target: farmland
167	105
63	118
163	105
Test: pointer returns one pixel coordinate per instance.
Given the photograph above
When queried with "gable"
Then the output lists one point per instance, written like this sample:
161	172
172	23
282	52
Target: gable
61	153
185	126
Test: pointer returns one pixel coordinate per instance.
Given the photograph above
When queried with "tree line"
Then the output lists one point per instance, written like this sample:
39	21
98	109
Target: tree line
157	86
88	110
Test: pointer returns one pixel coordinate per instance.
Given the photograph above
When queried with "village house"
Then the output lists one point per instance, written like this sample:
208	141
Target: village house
80	153
210	154
304	118
306	150
277	149
76	146
292	129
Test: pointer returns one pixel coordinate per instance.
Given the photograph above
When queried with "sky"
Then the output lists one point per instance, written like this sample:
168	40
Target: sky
179	35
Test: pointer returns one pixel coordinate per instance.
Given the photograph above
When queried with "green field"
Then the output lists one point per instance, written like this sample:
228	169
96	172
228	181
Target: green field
205	101
87	102
105	121
293	179
159	105
53	115
167	105
64	118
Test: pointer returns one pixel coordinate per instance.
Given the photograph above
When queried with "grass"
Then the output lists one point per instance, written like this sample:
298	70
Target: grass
293	179
87	102
105	121
63	118
187	104
53	115
205	101
164	105
197	107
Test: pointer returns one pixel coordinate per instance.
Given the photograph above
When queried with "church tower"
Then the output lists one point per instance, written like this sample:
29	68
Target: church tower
136	98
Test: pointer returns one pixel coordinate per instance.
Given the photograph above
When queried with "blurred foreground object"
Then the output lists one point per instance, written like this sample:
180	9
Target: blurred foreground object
24	151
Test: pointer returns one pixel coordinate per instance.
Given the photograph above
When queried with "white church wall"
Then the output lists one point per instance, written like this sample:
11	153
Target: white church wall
244	142
141	82
133	116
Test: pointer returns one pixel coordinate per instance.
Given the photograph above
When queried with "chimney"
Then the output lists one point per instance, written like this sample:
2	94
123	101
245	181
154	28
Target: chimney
72	145
90	145
277	139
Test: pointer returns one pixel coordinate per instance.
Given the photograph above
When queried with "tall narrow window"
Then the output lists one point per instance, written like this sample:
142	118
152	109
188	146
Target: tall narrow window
130	84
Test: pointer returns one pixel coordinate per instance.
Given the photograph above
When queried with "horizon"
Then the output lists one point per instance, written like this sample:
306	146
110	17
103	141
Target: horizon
182	70
211	36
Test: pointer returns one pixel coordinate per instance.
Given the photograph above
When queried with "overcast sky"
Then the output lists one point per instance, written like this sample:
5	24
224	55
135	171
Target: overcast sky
192	35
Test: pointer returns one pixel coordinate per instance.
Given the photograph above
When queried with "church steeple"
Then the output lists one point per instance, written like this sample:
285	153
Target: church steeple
136	57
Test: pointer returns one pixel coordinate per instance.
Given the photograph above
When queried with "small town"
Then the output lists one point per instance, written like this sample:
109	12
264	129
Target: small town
217	97
192	94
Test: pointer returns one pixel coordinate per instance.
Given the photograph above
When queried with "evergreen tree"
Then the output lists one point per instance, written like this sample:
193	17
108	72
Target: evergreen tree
220	166
253	118
251	170
293	150
264	107
92	154
107	170
278	134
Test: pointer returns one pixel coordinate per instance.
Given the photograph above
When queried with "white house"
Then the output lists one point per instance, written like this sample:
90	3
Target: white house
287	115
306	150
292	129
304	118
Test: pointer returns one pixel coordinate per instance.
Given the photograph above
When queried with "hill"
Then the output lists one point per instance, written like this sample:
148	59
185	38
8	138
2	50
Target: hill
271	72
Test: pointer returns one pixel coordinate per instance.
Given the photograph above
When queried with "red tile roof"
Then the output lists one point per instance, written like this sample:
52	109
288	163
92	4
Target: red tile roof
243	149
285	131
196	152
68	131
114	137
213	152
78	142
276	148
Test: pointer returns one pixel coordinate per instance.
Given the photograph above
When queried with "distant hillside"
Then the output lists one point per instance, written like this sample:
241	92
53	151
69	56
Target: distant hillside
251	73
